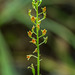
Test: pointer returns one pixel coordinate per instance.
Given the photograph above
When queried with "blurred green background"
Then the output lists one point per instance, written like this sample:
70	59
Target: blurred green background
58	54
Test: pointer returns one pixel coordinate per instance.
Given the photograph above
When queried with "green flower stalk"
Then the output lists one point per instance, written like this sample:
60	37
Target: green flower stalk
37	21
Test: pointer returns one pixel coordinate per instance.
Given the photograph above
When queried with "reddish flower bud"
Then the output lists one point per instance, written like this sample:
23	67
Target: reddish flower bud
44	32
33	41
28	57
44	9
29	33
33	27
38	26
33	19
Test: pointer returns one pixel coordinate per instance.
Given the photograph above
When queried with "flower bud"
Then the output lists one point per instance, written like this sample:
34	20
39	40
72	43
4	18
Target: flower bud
33	4
35	50
29	33
28	57
38	26
44	9
33	41
29	12
33	19
44	32
44	15
33	28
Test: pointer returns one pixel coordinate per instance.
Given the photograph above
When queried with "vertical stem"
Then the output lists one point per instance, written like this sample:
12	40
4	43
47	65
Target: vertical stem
38	52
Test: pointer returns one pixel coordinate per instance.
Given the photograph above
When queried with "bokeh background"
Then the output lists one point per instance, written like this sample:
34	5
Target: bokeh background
58	54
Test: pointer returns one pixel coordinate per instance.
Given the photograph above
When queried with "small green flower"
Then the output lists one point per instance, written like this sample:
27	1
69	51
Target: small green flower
29	12
45	39
44	15
32	68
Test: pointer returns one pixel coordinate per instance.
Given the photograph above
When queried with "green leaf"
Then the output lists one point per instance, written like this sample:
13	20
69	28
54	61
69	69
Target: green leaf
10	9
6	59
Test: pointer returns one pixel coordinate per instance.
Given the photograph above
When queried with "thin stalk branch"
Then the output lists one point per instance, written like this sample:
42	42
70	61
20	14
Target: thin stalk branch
40	36
33	38
41	19
34	33
35	56
41	43
34	23
40	13
40	60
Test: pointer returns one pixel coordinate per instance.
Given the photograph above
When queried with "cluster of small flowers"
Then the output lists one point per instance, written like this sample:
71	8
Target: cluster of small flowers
29	56
33	19
31	32
44	31
37	26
